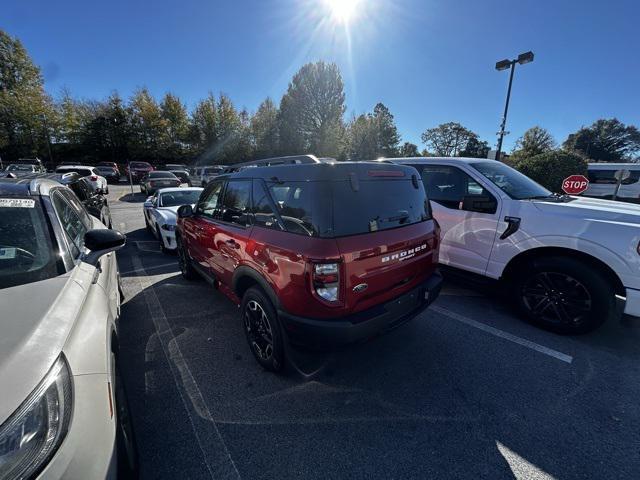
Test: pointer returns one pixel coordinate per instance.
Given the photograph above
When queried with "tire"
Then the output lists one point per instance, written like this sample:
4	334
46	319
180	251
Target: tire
563	295
126	448
162	247
187	270
262	330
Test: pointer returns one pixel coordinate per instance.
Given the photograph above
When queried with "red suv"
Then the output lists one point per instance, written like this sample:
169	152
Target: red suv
320	254
137	170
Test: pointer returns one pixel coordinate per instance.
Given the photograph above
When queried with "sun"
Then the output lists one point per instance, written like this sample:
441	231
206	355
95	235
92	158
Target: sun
342	11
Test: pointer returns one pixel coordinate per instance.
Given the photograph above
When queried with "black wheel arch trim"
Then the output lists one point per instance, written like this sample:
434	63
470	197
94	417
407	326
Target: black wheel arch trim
244	272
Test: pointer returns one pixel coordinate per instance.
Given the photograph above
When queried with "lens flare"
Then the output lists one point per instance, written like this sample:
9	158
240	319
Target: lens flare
342	10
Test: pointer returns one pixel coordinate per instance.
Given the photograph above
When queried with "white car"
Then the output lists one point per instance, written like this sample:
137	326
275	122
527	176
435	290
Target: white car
564	258
63	410
97	180
161	213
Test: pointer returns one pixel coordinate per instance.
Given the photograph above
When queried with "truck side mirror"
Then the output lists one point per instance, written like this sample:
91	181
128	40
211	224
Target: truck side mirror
479	203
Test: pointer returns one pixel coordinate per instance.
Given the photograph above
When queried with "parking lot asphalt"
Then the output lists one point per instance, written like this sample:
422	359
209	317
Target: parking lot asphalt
465	390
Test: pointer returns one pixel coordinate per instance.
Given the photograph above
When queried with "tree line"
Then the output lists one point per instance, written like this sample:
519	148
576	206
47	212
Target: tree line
310	118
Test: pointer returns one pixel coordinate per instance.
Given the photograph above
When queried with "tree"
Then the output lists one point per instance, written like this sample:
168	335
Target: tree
387	137
228	125
264	130
176	122
534	141
203	133
447	139
362	138
475	148
551	168
27	113
606	140
311	110
409	149
148	127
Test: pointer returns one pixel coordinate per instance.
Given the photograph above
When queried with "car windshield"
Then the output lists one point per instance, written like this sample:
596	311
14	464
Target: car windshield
162	175
176	198
26	251
20	168
84	172
510	181
140	165
107	170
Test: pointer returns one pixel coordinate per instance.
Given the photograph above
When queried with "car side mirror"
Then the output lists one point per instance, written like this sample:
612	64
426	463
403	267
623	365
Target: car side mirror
185	211
479	203
148	203
101	241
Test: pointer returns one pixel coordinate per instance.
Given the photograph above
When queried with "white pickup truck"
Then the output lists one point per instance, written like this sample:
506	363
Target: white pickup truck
565	259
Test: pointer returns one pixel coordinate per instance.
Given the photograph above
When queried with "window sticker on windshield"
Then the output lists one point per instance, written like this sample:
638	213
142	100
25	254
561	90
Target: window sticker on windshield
17	203
7	253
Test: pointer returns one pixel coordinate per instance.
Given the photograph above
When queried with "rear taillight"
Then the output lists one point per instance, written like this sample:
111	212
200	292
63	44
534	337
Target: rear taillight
94	178
326	281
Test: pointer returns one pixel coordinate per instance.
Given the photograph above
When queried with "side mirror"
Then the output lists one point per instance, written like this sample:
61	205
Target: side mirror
185	211
99	242
479	203
148	203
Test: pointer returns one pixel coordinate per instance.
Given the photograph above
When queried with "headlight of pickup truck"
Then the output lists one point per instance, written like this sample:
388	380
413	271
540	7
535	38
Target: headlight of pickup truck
33	433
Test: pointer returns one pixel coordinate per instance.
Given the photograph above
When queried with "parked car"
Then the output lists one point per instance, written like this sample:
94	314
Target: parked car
109	173
97	180
563	258
161	213
183	175
36	162
603	182
138	170
319	254
175	166
113	165
209	173
156	180
63	408
20	169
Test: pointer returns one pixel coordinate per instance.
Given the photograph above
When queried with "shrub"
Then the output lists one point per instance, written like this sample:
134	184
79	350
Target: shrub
551	168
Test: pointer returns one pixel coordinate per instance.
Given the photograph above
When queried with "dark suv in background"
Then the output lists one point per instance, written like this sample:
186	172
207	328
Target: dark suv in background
319	253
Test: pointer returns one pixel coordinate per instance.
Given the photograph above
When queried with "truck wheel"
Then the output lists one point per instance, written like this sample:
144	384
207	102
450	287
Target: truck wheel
187	270
262	328
563	295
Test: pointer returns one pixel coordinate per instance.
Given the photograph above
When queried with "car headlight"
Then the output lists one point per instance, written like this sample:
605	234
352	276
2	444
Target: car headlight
33	433
168	228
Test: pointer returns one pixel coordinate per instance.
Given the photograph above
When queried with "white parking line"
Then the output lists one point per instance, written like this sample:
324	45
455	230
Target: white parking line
223	466
563	357
144	269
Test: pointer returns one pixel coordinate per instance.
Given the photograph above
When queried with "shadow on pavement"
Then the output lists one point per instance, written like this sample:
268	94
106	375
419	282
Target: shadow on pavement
136	197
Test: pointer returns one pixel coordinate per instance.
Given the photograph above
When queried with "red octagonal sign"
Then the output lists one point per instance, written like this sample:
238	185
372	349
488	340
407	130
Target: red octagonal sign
575	184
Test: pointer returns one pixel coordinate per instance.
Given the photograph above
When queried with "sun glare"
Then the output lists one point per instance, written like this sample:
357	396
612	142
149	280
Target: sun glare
343	10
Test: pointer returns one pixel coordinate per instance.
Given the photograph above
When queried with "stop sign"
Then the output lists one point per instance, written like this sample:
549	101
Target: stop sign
575	184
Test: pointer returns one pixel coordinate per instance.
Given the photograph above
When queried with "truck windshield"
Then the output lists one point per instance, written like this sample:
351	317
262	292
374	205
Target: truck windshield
510	181
26	251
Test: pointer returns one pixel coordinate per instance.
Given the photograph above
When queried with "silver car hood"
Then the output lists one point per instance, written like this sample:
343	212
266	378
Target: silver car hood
35	321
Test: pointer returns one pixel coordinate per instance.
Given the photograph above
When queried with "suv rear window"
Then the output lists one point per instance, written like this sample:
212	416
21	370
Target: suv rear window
84	172
335	209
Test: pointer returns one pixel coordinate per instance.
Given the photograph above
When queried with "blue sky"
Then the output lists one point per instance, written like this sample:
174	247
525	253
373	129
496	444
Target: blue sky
428	61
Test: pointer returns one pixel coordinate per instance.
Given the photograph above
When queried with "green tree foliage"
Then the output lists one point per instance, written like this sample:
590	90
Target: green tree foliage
606	140
534	141
475	148
148	127
372	135
551	168
409	149
264	130
311	111
27	114
176	121
387	137
451	139
203	133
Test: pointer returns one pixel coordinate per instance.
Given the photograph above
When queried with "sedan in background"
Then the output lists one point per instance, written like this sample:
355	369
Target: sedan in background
111	174
161	213
113	165
184	176
137	170
154	181
97	180
63	408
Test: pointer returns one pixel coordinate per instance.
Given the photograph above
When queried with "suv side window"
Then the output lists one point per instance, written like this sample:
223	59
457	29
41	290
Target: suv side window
71	222
448	185
236	206
208	201
264	214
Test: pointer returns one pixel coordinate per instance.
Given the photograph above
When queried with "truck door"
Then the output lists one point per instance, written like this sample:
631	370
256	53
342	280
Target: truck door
468	215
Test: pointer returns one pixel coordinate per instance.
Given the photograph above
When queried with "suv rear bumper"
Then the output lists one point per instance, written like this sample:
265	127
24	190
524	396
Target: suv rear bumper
362	325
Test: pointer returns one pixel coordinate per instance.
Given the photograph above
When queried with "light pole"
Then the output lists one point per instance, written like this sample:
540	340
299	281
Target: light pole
523	58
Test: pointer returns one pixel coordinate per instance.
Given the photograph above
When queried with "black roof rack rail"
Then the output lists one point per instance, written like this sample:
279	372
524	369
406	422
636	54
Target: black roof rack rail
268	162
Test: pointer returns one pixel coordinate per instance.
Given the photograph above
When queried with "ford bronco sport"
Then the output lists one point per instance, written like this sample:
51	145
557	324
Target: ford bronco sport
316	253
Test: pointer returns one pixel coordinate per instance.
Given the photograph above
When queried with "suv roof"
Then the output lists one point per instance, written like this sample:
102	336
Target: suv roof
27	186
324	171
267	162
410	160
